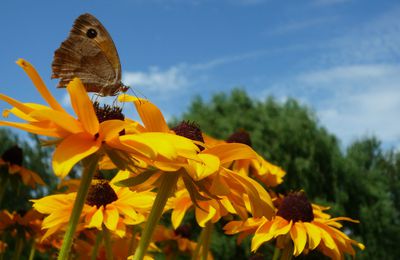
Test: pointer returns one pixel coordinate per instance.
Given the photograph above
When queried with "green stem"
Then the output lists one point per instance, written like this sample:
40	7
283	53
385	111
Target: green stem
287	252
33	250
277	252
207	239
133	243
95	250
18	248
90	167
107	243
196	252
167	186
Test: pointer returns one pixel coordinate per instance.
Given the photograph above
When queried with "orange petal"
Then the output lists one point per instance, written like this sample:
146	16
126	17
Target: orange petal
32	129
39	84
62	120
71	150
229	152
151	116
83	107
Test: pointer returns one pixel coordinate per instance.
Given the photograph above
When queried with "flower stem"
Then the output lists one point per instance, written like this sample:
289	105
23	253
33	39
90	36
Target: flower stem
207	239
168	184
97	242
107	243
277	252
18	247
33	250
196	252
287	252
90	167
133	243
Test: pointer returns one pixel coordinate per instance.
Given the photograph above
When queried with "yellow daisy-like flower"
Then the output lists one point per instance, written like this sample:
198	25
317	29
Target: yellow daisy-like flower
204	169
76	138
268	173
22	224
106	204
298	230
12	158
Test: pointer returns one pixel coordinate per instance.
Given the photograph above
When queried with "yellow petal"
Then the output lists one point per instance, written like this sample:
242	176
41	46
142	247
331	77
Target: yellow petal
111	217
208	165
15	103
111	128
299	237
314	235
97	219
62	120
151	116
39	84
262	235
52	132
205	214
180	208
229	152
83	107
71	150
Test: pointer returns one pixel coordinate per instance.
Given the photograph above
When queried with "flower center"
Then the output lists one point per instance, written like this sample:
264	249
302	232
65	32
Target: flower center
107	112
296	207
13	155
183	231
190	130
100	194
240	136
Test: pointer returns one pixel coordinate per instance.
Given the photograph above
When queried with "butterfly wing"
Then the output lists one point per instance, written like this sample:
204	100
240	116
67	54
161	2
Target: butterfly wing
90	54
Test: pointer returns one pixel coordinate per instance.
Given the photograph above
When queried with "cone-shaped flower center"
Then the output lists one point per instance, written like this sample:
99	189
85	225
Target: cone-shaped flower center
100	194
190	130
296	207
240	136
107	112
13	155
184	231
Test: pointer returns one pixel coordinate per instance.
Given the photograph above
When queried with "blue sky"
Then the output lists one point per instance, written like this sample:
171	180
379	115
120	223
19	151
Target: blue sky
340	57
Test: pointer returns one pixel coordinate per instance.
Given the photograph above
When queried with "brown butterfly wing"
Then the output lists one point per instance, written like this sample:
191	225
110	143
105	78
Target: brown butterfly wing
90	54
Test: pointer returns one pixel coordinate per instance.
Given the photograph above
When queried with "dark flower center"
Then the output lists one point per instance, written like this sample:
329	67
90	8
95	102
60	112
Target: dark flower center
107	112
13	155
240	136
190	130
184	231
296	207
100	194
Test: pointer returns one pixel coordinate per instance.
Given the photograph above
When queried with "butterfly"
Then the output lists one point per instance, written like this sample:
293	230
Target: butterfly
89	53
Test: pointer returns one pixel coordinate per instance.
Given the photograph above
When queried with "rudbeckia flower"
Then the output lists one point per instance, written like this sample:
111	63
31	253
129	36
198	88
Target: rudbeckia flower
12	159
106	205
268	173
298	229
76	138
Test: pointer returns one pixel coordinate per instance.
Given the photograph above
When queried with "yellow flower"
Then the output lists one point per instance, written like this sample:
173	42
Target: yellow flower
297	225
204	170
106	204
12	158
268	173
76	138
205	210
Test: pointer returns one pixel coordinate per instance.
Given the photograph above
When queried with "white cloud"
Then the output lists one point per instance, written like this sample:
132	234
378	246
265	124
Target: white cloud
358	100
156	79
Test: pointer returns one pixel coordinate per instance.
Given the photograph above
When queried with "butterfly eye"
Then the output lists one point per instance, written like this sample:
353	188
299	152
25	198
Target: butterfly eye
91	33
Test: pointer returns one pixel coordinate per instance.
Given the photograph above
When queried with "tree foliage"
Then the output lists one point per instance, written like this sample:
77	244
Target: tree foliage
361	182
